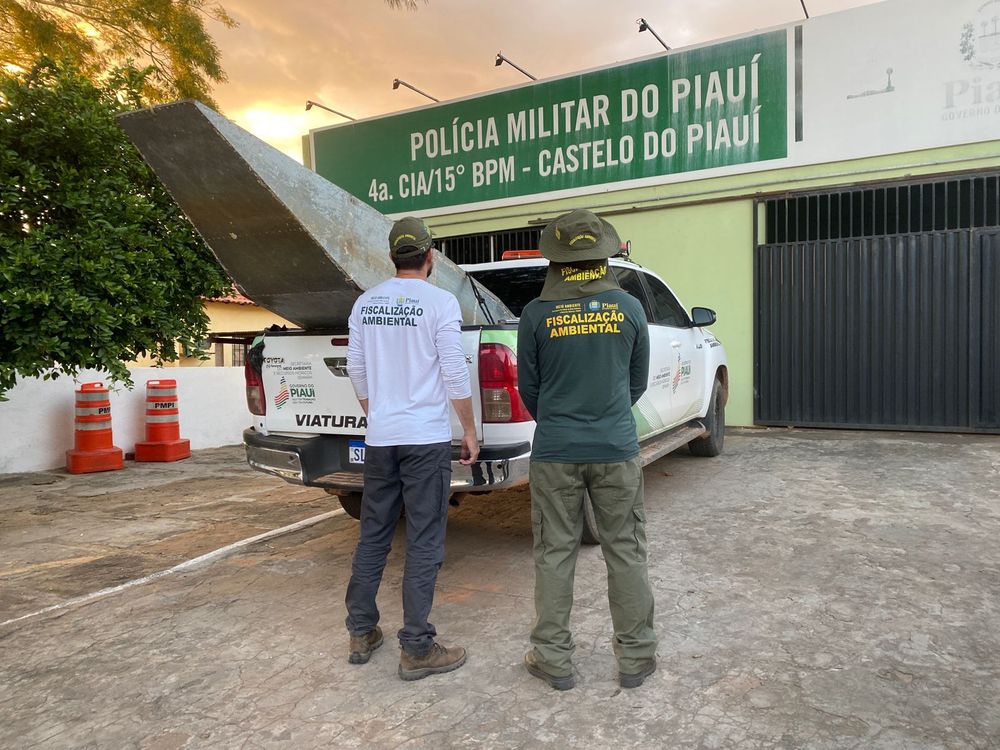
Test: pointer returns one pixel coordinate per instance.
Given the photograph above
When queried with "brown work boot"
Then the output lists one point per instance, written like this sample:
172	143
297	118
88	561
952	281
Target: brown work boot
363	645
436	661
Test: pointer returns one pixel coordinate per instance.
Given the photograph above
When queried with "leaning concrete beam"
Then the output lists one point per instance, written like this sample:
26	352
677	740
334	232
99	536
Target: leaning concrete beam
292	241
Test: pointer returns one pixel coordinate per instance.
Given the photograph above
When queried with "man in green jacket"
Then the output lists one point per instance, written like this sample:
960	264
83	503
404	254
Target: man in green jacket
582	362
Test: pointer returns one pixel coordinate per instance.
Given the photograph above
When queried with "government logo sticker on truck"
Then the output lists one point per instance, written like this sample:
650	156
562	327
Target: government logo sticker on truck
282	396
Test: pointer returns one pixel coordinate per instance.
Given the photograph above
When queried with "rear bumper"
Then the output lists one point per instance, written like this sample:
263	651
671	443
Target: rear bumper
322	461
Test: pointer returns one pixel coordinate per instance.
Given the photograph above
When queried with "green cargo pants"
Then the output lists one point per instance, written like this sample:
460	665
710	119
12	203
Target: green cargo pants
557	496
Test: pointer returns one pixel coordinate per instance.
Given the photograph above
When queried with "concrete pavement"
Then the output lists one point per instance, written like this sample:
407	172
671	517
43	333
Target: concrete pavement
814	590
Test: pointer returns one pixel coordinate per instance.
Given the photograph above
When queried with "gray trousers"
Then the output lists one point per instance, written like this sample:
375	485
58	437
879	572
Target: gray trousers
557	497
417	477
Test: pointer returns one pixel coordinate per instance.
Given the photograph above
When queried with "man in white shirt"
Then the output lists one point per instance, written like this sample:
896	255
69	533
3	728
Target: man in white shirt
406	363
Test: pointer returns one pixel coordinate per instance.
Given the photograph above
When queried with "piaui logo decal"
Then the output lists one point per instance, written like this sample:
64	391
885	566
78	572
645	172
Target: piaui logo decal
980	41
683	373
977	95
281	397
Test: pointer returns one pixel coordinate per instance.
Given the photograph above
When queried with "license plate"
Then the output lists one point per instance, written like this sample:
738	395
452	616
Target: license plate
356	451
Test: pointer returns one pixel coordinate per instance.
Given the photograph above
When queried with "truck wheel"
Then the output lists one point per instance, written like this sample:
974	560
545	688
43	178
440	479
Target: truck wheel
715	421
590	535
351	502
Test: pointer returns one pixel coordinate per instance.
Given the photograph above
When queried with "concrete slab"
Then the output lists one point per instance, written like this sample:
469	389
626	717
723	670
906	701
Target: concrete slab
814	590
64	535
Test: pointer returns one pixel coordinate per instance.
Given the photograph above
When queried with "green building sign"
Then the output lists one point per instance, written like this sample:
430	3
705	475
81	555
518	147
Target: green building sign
715	106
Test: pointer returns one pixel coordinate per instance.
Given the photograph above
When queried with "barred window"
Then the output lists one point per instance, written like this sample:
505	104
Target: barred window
930	206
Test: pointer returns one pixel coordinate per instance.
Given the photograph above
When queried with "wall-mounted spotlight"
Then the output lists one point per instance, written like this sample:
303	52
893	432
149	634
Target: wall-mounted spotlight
396	83
501	59
310	104
644	26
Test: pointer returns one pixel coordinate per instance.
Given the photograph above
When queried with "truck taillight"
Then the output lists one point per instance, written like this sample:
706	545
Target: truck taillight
498	385
256	402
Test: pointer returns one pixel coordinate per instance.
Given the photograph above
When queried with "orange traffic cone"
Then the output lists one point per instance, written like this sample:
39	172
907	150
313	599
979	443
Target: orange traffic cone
93	450
163	430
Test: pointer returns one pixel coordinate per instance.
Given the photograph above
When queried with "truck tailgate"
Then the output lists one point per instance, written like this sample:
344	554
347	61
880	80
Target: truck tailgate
308	390
306	386
470	345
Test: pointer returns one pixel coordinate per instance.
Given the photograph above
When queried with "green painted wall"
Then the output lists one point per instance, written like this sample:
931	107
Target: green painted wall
698	234
705	254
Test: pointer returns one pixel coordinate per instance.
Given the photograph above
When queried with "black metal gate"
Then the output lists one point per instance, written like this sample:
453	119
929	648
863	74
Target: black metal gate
897	331
489	247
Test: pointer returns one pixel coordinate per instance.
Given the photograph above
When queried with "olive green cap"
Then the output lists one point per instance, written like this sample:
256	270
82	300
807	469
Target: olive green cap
408	237
579	235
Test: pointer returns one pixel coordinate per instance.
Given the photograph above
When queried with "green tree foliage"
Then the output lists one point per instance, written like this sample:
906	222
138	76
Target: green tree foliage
97	35
97	264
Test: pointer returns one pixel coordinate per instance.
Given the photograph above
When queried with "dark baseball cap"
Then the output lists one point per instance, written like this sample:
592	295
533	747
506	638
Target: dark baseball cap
408	237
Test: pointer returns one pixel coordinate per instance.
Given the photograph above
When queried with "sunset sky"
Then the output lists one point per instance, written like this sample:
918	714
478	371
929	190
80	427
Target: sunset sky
345	53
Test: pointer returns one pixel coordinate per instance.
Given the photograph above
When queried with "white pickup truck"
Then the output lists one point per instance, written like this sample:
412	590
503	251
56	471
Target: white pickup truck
309	428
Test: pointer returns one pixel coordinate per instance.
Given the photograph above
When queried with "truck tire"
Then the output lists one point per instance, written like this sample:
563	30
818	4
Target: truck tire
351	502
590	534
715	422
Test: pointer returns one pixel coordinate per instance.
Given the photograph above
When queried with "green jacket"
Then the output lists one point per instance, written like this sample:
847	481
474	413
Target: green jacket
581	365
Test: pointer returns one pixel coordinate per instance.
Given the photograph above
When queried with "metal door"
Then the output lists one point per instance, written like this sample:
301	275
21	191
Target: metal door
895	332
986	271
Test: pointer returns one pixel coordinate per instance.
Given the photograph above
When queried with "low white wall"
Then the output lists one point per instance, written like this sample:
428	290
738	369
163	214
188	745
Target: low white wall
36	423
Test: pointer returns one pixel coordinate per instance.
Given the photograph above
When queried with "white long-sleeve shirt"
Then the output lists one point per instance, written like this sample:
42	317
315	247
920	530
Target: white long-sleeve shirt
405	356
